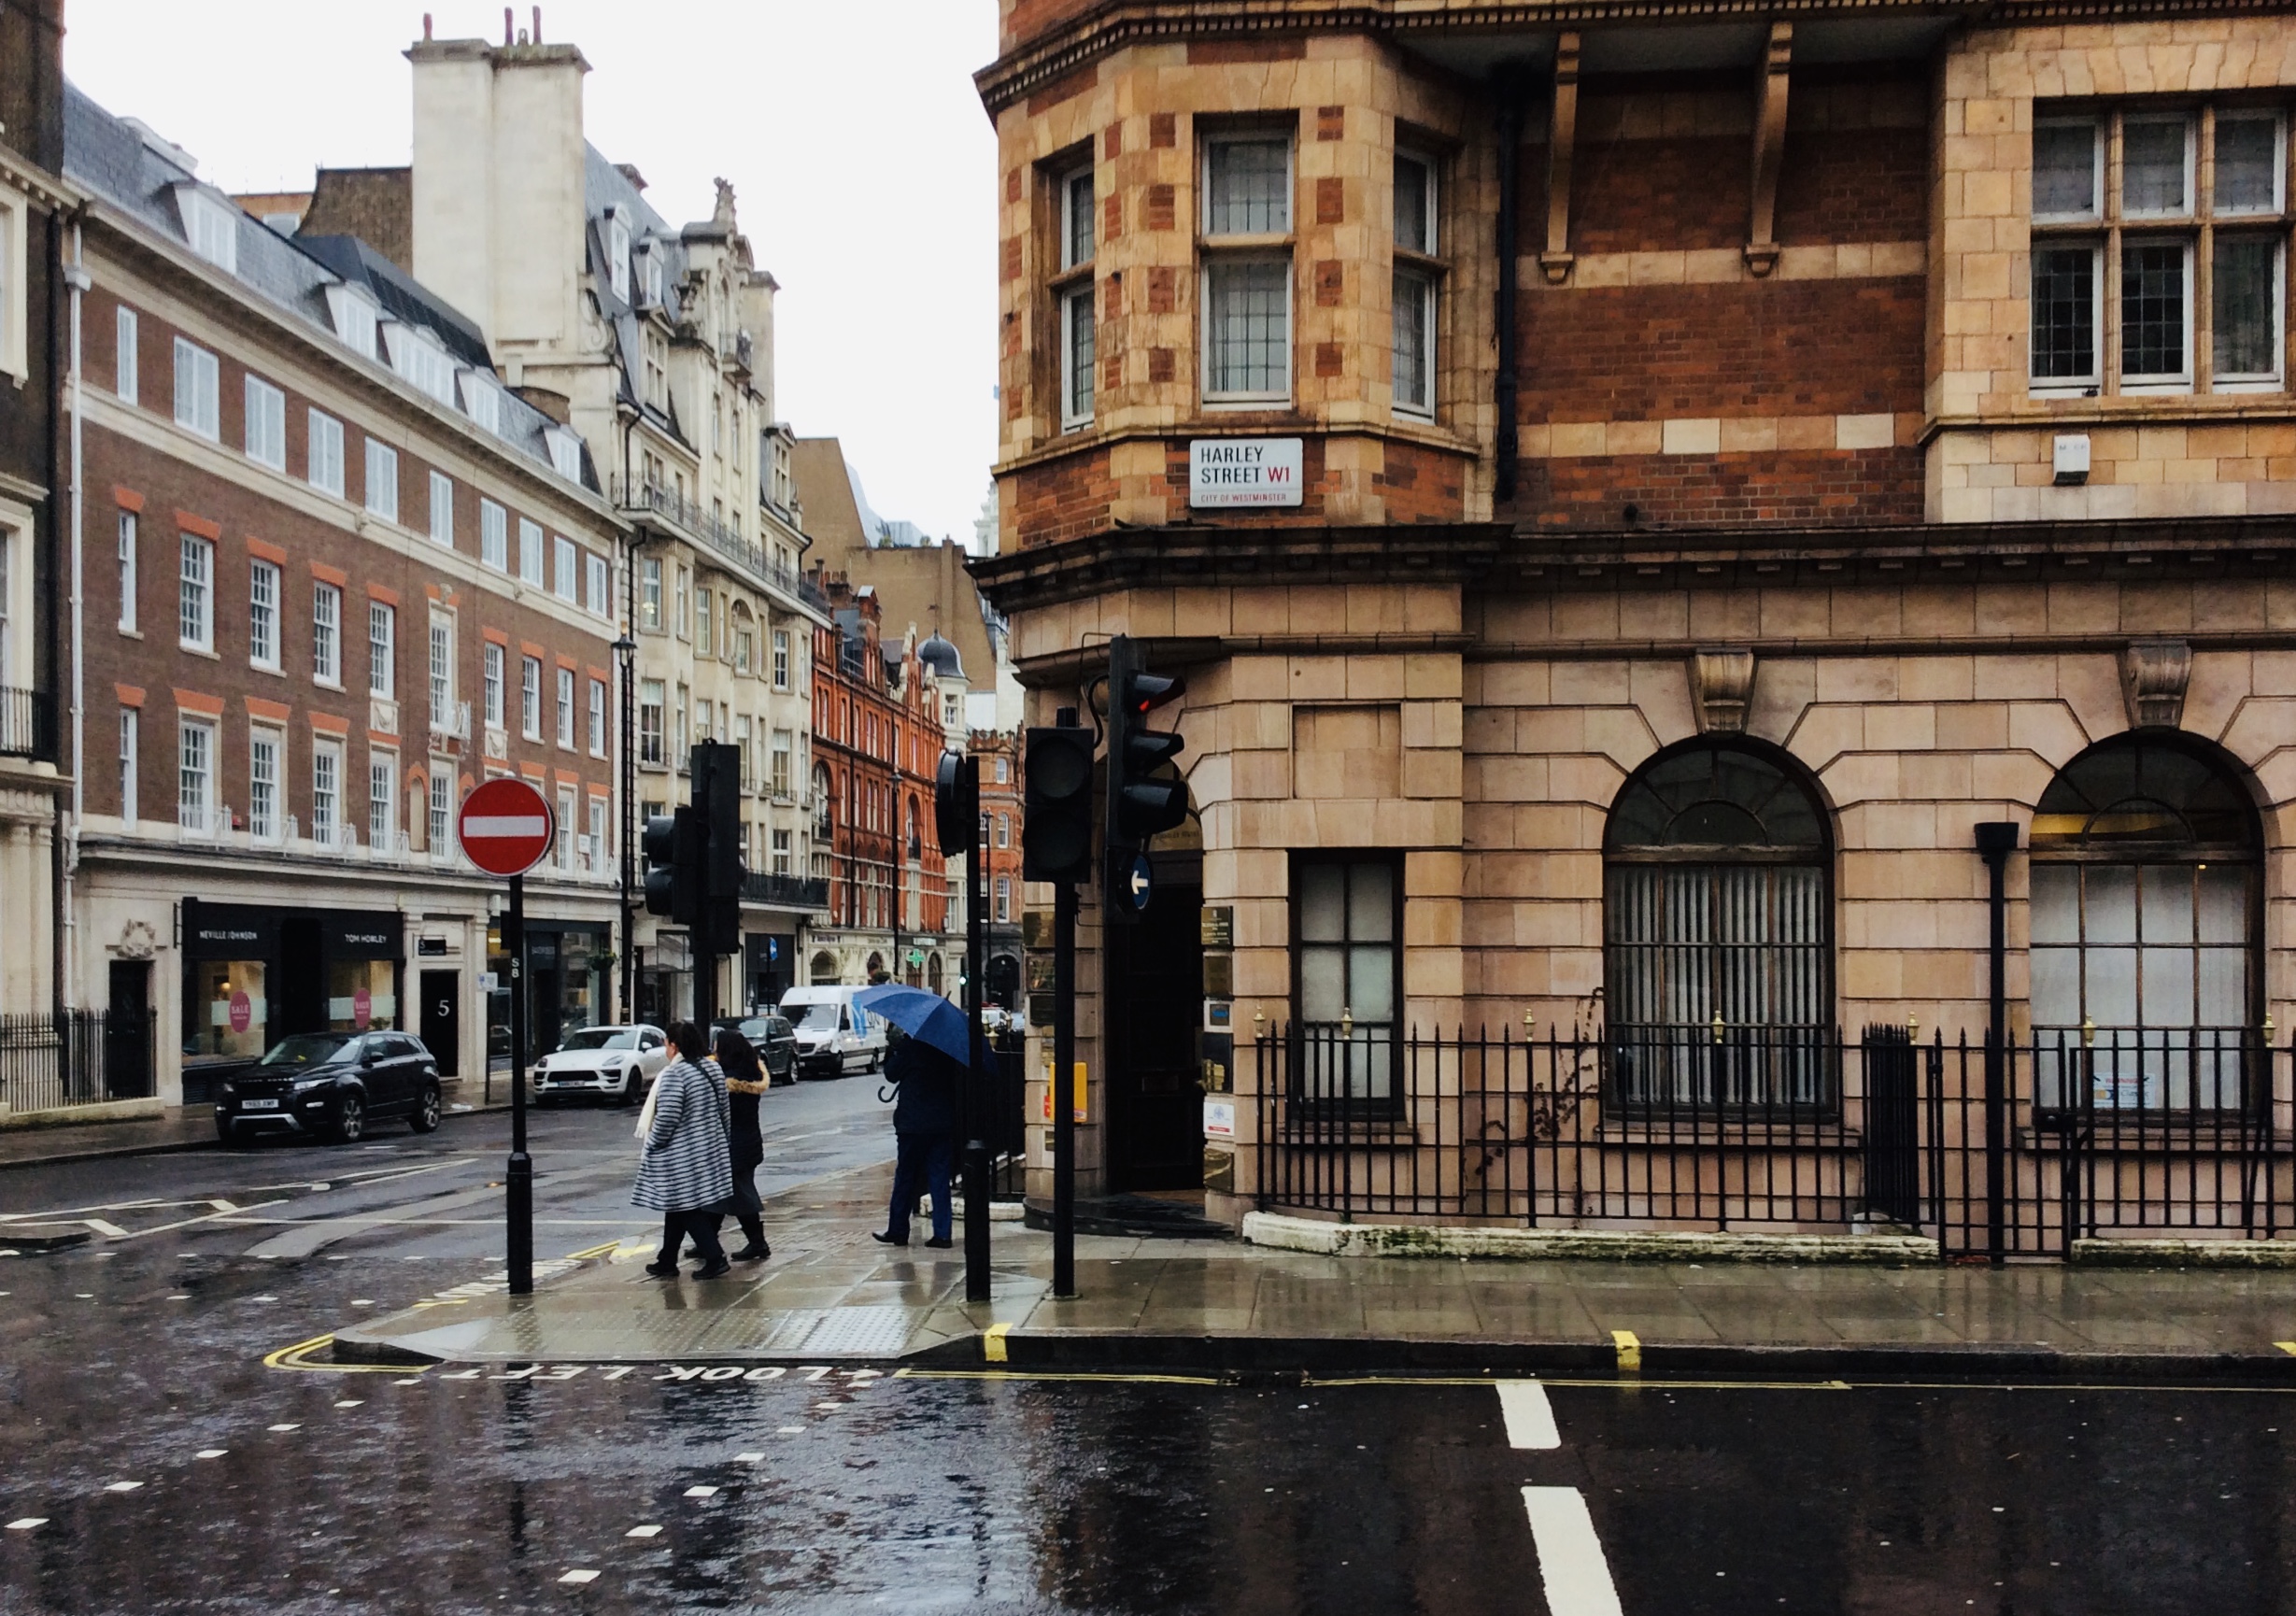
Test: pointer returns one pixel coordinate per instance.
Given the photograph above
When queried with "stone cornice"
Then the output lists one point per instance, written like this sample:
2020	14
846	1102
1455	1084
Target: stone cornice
1113	24
1494	556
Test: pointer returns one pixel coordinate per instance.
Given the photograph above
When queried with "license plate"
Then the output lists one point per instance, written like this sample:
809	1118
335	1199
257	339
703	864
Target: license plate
259	1105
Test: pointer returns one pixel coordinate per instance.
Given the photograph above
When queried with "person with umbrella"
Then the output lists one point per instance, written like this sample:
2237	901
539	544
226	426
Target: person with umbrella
926	1065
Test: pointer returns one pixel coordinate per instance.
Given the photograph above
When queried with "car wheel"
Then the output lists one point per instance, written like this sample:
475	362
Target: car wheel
633	1085
351	1120
427	1108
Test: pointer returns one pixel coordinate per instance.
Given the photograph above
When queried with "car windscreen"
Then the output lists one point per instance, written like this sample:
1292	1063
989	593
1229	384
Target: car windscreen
601	1038
814	1018
308	1049
757	1028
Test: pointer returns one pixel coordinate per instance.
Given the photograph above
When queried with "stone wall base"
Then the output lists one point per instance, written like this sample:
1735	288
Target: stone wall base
1521	1244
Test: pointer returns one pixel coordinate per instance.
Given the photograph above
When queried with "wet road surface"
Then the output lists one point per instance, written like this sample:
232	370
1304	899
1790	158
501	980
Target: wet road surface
151	1461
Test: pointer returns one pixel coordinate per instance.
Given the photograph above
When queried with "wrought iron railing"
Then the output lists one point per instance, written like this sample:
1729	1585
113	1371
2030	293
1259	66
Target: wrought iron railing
27	723
710	528
787	891
81	1057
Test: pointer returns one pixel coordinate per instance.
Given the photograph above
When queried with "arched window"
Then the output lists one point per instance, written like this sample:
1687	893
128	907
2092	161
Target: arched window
824	969
2146	856
1716	907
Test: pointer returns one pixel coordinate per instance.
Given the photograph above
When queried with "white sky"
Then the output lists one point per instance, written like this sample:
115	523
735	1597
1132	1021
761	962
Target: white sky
863	166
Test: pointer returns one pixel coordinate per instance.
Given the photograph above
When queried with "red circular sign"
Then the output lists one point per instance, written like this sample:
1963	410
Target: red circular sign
505	827
242	1011
362	1009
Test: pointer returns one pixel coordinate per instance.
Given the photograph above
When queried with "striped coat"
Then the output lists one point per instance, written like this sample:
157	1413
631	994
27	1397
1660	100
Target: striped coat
686	1164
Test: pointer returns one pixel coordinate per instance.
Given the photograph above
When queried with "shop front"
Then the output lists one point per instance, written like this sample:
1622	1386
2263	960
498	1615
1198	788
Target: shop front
565	980
255	973
772	961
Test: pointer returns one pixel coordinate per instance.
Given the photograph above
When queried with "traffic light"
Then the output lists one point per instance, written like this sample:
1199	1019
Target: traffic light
1141	800
1055	824
714	770
955	810
675	845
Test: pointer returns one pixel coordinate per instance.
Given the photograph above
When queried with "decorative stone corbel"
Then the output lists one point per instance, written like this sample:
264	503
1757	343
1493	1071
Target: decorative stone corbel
1722	680
138	939
2154	675
1769	148
1555	259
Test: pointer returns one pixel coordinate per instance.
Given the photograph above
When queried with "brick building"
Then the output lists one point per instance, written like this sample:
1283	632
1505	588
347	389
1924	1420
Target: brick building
999	753
335	574
1629	498
35	472
877	740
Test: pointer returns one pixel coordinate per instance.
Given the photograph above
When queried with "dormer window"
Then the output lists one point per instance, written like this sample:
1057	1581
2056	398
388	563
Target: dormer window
356	319
482	401
210	225
618	253
651	276
416	355
565	452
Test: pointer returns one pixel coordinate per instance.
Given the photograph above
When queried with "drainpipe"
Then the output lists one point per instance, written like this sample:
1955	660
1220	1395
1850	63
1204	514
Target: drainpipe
1509	89
1996	841
77	278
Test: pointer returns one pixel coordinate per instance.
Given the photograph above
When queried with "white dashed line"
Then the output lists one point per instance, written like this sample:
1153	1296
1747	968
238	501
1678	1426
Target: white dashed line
284	1427
352	1403
702	1492
579	1577
122	1486
747	1459
410	1381
180	1297
211	1452
643	1532
263	1299
1530	1418
789	1431
1571	1556
27	1523
362	1301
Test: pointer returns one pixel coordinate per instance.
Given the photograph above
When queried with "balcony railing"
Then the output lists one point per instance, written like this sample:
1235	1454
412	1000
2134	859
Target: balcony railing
703	524
786	891
27	723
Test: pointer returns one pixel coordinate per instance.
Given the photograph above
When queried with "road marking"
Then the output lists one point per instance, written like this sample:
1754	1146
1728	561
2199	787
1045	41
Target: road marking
1060	1375
643	1532
747	1459
110	1231
285	1427
122	1486
351	1403
2288	1347
992	1343
227	1212
1530	1418
790	1430
211	1452
702	1492
1629	1347
579	1577
27	1523
1571	1556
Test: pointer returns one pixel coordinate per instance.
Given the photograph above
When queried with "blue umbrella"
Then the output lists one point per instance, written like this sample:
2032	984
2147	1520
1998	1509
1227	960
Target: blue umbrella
924	1016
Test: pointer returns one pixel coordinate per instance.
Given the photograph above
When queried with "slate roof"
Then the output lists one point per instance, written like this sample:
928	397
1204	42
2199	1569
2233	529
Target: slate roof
112	158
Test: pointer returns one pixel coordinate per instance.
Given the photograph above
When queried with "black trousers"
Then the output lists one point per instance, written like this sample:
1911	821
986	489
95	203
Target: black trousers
748	1208
700	1225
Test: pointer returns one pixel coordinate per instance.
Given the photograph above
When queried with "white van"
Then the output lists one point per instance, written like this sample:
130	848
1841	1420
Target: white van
834	1037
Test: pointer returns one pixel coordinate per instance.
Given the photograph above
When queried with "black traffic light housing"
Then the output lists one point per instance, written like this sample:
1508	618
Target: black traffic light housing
957	813
674	846
1055	824
1143	799
714	770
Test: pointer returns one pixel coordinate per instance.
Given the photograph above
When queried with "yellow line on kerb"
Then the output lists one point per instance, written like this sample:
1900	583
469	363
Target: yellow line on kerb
294	1358
1083	1375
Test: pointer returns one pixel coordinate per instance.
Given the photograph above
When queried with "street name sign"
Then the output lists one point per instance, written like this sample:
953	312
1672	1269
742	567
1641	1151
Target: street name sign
505	827
1225	474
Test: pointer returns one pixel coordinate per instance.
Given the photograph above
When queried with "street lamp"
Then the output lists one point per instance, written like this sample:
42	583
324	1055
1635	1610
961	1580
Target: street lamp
625	662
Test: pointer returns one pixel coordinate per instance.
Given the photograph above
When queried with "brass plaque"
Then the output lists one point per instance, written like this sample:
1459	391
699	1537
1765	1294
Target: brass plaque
1219	976
1220	1170
1218	925
1040	1010
1036	929
1040	973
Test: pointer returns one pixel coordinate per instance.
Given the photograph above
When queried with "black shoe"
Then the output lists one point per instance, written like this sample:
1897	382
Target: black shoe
886	1239
941	1245
756	1253
715	1270
662	1270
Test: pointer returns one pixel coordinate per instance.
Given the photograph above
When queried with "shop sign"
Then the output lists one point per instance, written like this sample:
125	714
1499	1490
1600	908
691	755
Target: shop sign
362	936
242	1011
1224	473
362	1009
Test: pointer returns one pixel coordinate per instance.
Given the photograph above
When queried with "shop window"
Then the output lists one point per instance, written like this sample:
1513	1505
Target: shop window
1718	935
2146	867
230	1012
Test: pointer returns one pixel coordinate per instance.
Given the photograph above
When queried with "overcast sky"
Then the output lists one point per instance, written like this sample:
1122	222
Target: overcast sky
864	169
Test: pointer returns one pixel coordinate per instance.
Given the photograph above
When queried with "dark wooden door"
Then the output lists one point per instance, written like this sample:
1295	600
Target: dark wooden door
1156	998
440	1025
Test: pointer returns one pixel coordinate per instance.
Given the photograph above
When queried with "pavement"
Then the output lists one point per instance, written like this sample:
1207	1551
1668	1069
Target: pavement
830	1295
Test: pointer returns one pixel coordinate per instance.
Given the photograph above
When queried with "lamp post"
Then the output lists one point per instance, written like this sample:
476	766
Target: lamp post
625	662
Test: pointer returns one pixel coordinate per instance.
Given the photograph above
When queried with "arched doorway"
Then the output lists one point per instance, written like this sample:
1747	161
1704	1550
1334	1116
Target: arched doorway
1718	918
2145	923
823	970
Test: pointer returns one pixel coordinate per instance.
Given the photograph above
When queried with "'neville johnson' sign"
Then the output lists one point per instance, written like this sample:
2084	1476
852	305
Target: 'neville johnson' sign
1231	472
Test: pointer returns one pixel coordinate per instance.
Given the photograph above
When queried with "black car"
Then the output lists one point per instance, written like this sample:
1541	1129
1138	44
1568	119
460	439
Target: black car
332	1085
774	1039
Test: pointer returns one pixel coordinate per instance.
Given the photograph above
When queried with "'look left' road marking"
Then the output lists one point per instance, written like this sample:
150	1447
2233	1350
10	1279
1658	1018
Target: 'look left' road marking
1530	1418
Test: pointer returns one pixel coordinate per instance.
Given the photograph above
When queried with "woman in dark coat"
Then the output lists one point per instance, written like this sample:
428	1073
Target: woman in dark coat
746	1082
685	1170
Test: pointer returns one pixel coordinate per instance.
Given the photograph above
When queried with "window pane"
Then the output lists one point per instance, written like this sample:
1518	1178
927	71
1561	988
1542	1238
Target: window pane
2064	313
2168	987
2246	315
2112	987
1080	355
1370	984
2152	165
1322	983
2224	986
2111	904
1251	328
1371	903
1413	339
1077	248
2056	988
2167	900
2247	164
2152	308
2064	170
2223	904
1323	904
2056	916
1414	224
1248	187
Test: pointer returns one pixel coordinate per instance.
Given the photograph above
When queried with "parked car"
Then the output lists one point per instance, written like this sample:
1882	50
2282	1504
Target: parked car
774	1039
333	1085
615	1062
833	1036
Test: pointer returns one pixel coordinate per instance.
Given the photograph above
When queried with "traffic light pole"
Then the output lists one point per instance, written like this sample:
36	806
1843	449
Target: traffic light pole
519	1182
1063	1089
977	1086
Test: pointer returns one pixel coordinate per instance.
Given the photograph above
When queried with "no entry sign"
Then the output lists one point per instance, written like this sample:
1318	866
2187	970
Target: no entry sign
505	827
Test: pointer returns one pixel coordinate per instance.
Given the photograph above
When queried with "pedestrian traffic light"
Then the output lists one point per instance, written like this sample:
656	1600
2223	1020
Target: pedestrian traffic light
715	772
1056	826
1143	797
675	845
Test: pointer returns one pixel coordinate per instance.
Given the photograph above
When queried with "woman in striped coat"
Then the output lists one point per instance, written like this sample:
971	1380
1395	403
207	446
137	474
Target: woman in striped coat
686	1170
